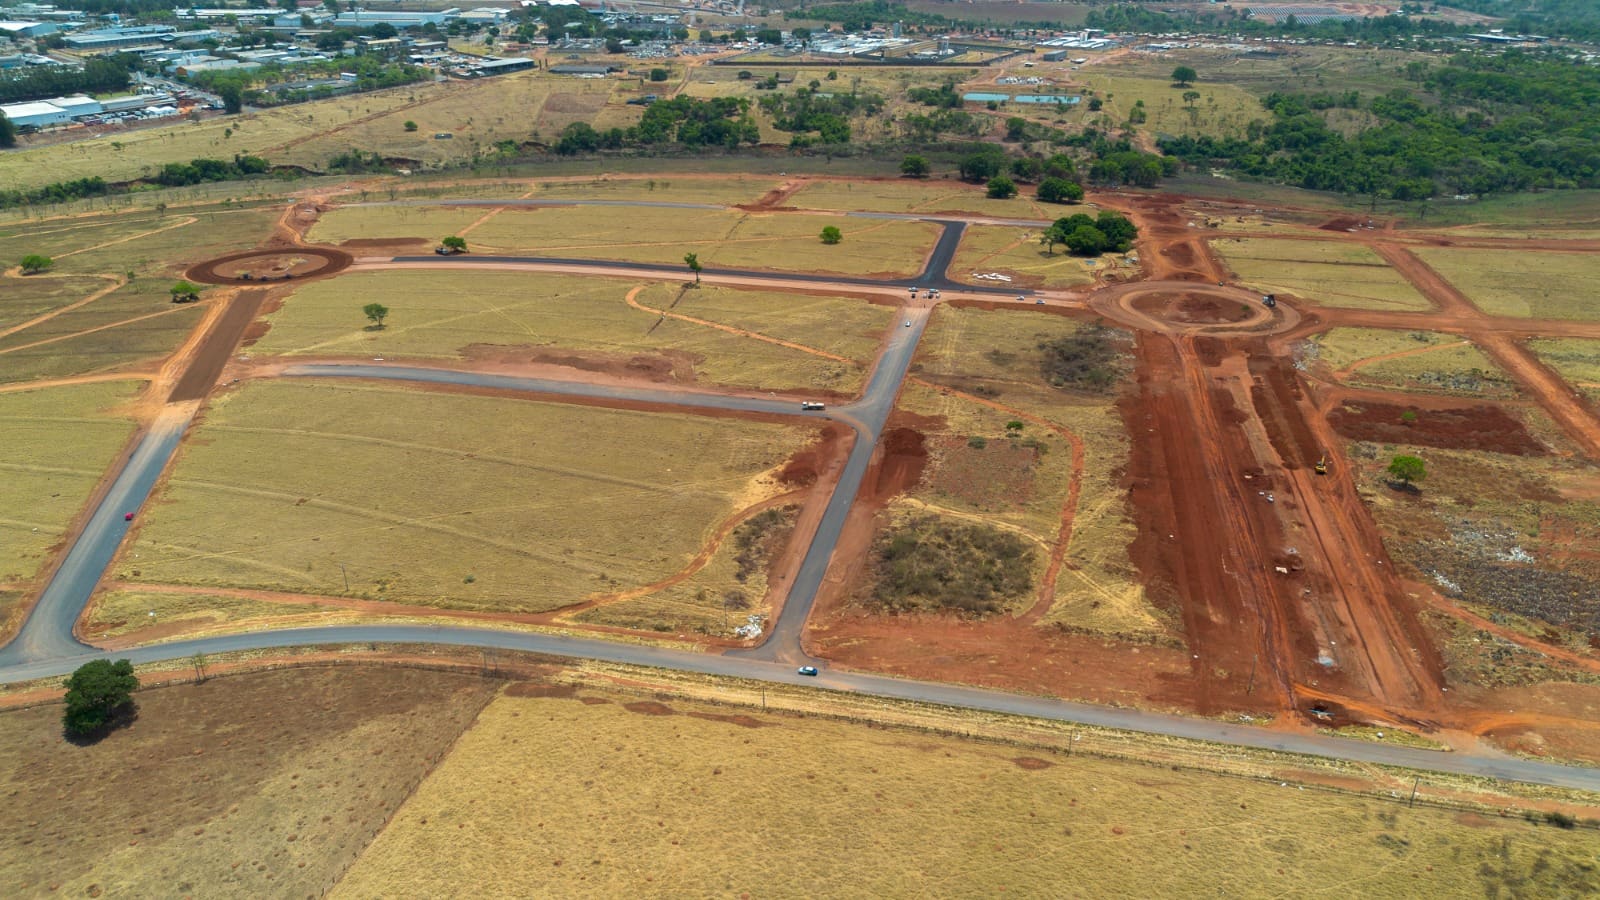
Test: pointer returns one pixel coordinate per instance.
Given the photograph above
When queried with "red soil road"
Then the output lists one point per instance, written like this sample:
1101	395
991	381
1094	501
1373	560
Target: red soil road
217	346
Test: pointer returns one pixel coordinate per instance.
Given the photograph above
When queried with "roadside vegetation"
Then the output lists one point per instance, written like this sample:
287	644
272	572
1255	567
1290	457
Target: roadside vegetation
928	564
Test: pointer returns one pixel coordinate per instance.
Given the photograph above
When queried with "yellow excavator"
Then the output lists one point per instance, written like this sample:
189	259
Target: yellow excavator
1322	465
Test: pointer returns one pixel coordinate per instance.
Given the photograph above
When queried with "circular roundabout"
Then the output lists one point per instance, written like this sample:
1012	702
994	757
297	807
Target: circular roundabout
268	266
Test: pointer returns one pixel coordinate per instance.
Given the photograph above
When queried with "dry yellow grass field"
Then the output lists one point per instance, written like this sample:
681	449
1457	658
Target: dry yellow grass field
552	796
1414	361
1538	285
415	502
996	354
1221	108
41	487
431	316
1330	273
1575	359
249	786
908	195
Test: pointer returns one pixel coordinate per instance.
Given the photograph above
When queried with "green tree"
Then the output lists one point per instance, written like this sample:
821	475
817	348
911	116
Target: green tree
692	260
831	234
1407	470
410	125
1086	240
982	166
1189	97
232	97
658	74
184	292
1184	75
377	312
1060	190
915	167
99	694
8	132
455	242
1002	188
33	262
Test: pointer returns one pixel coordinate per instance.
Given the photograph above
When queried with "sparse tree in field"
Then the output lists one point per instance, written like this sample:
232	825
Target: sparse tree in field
831	234
99	694
1407	470
377	312
161	209
185	292
33	262
1002	188
1014	427
198	661
1183	76
410	125
455	242
692	260
915	167
1189	97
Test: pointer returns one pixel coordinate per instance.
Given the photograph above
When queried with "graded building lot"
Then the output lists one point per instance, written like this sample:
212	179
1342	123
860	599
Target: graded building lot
728	190
297	485
603	796
24	298
57	443
137	322
1017	252
1540	285
586	323
997	355
1575	359
927	196
267	784
144	242
1331	273
1422	361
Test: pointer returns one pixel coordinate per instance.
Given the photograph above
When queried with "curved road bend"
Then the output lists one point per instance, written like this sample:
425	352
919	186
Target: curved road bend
1508	769
47	632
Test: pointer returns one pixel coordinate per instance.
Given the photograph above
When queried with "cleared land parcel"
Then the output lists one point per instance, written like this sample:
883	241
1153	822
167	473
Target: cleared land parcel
291	485
1332	273
1528	285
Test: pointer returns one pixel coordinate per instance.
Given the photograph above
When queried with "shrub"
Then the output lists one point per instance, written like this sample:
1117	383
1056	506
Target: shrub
1085	360
938	565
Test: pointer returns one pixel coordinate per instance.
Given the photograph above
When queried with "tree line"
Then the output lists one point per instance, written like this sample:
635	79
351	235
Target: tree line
105	74
1511	122
195	171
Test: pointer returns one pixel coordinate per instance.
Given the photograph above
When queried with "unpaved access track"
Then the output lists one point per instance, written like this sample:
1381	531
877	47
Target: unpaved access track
1288	602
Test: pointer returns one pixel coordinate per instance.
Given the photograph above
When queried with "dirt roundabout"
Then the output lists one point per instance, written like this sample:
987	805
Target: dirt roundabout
256	266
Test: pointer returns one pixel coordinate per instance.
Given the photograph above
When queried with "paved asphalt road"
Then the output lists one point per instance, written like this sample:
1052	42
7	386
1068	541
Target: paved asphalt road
47	633
1510	769
933	274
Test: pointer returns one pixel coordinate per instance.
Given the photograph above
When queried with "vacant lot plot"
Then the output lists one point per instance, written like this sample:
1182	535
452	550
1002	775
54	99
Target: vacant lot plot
552	796
786	242
1412	361
257	785
1018	253
137	322
1021	478
419	503
1575	359
429	223
118	612
23	299
915	196
58	442
1331	273
163	246
671	188
1530	285
548	317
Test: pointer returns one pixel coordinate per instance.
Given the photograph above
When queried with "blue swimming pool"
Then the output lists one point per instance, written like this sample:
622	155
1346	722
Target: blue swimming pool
986	97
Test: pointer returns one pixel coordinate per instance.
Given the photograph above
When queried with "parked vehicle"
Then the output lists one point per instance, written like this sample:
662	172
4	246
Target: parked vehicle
811	405
807	670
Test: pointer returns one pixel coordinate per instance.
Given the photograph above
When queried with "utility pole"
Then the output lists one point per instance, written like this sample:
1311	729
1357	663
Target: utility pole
346	577
1254	661
1414	786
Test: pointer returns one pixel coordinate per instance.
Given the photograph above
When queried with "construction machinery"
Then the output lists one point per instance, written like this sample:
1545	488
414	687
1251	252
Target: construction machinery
1322	465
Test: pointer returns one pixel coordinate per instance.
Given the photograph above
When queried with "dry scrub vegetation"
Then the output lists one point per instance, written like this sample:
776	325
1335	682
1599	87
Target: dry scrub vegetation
616	796
420	504
264	785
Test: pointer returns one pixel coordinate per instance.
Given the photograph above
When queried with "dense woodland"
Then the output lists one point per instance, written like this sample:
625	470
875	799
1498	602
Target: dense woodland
1476	125
98	76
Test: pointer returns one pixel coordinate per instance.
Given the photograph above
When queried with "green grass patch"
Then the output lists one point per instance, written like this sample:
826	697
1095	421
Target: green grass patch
421	504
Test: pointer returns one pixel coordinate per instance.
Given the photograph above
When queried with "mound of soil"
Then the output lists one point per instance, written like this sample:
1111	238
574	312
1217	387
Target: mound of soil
803	468
1481	427
1343	223
1192	309
905	455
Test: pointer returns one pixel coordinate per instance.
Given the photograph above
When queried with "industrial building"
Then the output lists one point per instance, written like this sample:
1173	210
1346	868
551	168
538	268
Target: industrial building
401	20
27	29
489	67
37	114
118	38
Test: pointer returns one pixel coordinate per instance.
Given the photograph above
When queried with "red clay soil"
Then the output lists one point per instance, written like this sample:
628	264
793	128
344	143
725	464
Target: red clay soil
217	347
302	263
662	367
803	467
1191	309
1482	427
1341	224
902	457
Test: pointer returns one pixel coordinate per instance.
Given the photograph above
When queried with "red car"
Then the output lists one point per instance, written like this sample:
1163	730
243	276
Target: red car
127	517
